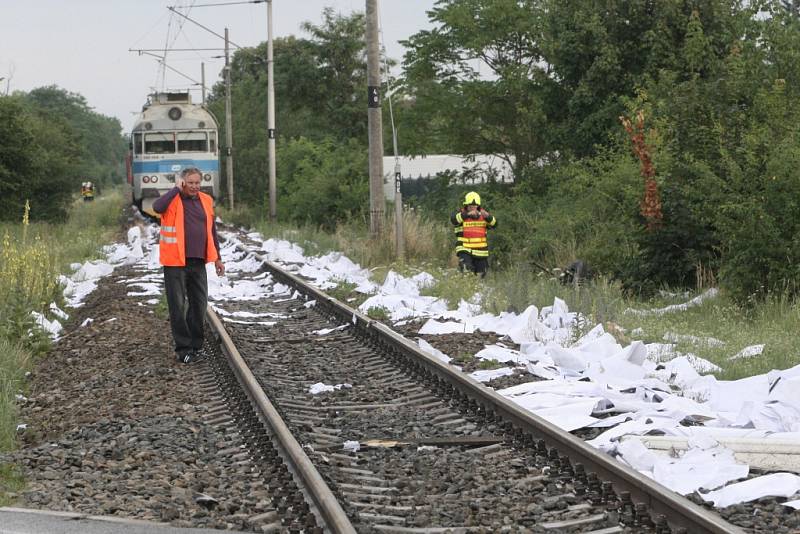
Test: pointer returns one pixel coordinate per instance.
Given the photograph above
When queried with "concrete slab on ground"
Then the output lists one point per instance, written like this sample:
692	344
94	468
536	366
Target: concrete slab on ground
30	521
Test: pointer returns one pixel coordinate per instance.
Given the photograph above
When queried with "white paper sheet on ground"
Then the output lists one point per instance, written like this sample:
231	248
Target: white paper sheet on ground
282	251
698	468
568	417
52	328
226	289
92	270
249	264
786	390
542	371
792	504
748	352
436	353
661	352
500	354
708	294
773	485
595	332
718	433
538	401
404	306
673	337
558	317
432	326
601	346
561	387
145	289
320	387
58	312
351	445
615	371
675	405
486	375
245	314
153	258
637	426
501	324
326	331
397	284
606	422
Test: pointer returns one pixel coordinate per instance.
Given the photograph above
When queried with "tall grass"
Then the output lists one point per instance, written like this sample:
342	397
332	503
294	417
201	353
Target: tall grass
31	257
425	241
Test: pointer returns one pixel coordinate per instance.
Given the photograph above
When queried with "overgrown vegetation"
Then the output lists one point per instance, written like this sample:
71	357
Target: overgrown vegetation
543	84
31	257
50	142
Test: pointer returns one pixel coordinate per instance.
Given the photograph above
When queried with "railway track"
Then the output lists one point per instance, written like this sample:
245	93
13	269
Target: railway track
402	442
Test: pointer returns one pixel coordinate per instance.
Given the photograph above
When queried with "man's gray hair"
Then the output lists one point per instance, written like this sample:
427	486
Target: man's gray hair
191	170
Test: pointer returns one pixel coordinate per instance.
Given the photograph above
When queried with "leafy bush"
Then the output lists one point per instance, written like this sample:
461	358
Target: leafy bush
324	182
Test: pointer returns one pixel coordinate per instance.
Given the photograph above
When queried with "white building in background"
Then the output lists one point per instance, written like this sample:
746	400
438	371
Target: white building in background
474	169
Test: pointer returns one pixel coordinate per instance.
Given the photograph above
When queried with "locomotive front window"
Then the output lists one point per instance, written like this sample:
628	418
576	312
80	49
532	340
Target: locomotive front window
137	143
192	142
212	142
159	143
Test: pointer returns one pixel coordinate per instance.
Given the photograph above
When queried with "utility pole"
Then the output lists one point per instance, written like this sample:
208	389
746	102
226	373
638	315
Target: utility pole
203	83
374	122
228	125
273	201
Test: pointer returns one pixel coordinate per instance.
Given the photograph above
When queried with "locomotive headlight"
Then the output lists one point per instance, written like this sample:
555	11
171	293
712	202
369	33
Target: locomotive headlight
154	179
146	179
207	177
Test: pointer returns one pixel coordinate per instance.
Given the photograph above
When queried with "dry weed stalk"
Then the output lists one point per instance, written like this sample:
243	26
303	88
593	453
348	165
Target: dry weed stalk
650	207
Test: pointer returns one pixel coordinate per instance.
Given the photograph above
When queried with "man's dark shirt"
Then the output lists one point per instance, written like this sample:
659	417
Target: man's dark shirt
194	222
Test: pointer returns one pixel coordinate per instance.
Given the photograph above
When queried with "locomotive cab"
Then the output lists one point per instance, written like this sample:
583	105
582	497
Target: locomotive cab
170	135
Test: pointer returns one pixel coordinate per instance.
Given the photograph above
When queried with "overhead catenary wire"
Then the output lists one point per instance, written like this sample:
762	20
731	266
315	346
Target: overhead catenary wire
231	3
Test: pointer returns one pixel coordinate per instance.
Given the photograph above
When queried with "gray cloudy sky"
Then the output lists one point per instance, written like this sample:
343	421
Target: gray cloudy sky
82	45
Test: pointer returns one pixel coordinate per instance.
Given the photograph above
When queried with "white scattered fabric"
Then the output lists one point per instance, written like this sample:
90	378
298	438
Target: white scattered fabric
352	446
696	301
748	352
52	328
773	485
319	387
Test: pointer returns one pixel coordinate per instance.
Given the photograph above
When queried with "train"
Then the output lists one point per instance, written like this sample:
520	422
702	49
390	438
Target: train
170	134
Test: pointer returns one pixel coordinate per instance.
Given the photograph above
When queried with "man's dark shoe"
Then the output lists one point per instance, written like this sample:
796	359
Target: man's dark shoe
195	356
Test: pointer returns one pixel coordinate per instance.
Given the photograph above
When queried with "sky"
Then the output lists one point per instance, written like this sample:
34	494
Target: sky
83	46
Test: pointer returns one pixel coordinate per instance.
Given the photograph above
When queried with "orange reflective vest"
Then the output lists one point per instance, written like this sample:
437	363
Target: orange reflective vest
172	244
471	234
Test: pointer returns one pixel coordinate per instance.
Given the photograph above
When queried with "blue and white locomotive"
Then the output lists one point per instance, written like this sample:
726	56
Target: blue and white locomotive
169	135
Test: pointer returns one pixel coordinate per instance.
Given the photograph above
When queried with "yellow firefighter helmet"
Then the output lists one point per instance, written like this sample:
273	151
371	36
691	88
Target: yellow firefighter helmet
472	198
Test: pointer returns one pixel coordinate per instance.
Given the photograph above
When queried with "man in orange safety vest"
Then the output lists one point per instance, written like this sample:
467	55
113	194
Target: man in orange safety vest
188	241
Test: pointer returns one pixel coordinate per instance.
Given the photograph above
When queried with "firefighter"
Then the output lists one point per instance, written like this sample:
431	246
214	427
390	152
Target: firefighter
87	191
471	223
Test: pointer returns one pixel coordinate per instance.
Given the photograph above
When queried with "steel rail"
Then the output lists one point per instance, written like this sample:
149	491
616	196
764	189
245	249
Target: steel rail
328	506
679	511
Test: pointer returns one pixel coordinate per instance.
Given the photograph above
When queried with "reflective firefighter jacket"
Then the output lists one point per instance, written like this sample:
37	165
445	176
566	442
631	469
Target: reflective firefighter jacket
471	233
172	244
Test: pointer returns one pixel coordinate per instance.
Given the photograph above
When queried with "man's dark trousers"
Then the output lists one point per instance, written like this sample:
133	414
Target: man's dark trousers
187	298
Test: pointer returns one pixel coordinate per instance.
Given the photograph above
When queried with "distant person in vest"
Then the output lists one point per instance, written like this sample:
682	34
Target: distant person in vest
471	223
188	242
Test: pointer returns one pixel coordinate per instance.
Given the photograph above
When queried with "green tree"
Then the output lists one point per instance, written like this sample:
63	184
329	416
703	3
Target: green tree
39	158
476	83
99	138
319	93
